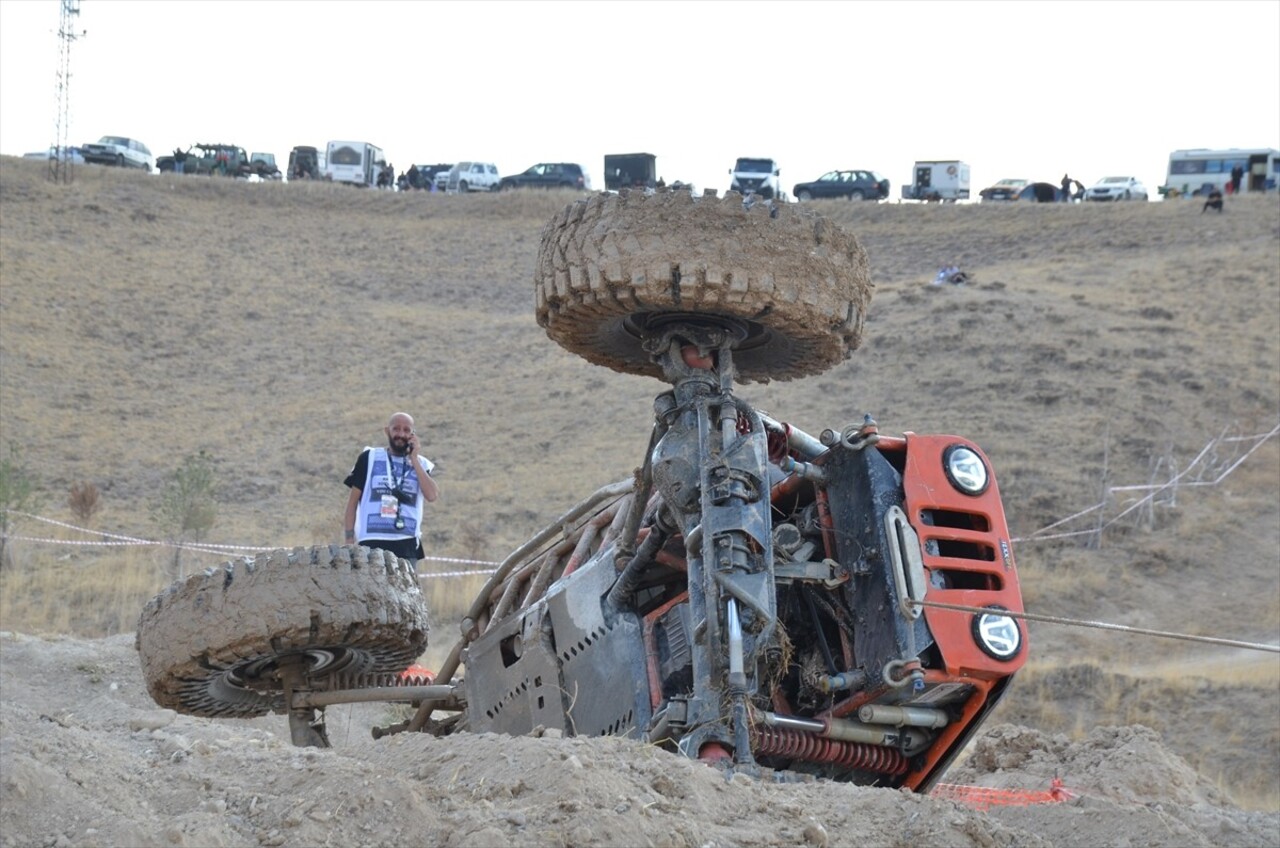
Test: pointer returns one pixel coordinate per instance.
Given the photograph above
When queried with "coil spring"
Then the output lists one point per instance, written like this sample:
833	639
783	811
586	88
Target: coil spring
342	682
797	745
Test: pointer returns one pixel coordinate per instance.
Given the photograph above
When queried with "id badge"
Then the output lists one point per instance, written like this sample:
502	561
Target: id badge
390	506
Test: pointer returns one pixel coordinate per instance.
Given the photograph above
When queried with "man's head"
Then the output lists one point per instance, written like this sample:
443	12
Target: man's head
398	431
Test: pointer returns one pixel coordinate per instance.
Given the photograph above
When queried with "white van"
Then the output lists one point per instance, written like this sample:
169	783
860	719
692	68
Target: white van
753	175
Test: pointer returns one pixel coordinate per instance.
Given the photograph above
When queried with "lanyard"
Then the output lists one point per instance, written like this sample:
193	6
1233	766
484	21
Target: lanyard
397	484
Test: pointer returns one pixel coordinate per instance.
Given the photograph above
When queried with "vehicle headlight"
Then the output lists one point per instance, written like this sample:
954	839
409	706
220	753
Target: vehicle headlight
965	469
997	634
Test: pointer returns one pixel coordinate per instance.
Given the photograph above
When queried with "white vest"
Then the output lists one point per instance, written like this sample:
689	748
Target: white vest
382	475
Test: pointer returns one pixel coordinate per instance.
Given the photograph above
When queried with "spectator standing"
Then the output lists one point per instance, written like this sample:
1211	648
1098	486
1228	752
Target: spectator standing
389	488
1066	188
179	160
1237	174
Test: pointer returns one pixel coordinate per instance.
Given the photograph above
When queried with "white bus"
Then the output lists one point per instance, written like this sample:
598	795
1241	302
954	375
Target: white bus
1197	172
354	162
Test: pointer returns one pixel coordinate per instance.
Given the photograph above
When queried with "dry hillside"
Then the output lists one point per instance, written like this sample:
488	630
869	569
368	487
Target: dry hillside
276	326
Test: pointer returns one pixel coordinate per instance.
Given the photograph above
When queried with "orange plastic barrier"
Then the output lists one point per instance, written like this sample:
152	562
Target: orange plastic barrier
984	798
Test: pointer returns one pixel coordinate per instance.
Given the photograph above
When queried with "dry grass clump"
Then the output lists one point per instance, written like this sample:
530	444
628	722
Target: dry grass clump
84	500
1214	697
87	595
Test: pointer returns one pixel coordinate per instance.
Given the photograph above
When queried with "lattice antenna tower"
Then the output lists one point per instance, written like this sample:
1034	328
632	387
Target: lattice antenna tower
60	163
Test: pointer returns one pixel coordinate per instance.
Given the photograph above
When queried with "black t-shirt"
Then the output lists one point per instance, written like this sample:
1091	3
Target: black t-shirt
407	548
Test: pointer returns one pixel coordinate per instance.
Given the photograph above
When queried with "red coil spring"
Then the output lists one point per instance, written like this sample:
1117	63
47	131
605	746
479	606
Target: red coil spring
795	744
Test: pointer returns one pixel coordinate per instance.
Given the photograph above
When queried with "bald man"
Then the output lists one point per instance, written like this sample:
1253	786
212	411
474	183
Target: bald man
388	489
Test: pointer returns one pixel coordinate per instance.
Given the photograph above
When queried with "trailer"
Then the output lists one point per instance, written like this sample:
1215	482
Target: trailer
1198	172
941	180
357	163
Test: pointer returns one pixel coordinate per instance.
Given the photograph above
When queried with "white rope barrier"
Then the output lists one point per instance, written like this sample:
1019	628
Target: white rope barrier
456	573
121	540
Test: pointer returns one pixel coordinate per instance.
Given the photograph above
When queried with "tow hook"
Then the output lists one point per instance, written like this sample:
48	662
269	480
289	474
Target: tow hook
911	673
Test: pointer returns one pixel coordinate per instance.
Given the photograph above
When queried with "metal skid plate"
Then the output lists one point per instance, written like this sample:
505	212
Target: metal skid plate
561	664
863	487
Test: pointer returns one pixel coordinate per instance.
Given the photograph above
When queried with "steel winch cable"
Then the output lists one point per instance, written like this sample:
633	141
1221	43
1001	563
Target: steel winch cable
1102	625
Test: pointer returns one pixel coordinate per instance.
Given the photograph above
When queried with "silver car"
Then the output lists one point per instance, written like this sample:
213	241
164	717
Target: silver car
473	176
69	154
119	151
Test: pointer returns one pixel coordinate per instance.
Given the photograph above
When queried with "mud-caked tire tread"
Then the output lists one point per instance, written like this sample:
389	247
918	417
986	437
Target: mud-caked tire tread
193	637
604	260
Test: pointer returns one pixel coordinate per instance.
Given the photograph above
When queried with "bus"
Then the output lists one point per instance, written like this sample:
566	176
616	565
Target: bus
1197	172
354	162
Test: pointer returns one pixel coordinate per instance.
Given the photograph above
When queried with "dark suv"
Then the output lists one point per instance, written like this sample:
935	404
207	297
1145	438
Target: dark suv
854	185
425	175
304	163
549	175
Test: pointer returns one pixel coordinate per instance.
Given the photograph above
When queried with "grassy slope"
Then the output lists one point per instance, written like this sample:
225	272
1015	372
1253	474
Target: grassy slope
277	326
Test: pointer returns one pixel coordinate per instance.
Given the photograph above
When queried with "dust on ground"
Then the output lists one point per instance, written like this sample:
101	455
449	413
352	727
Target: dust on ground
86	759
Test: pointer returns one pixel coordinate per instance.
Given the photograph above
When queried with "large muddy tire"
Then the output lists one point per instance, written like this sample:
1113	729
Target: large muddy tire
611	265
210	645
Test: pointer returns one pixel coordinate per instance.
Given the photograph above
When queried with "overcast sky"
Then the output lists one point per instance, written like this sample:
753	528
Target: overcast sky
1016	89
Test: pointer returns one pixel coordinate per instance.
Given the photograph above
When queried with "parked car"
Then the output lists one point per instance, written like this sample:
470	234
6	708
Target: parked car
119	151
1116	188
473	176
1006	189
264	165
1040	193
204	158
548	175
304	163
854	185
428	174
69	154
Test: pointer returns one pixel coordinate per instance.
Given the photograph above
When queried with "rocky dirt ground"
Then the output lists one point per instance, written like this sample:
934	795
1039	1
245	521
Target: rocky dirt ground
86	759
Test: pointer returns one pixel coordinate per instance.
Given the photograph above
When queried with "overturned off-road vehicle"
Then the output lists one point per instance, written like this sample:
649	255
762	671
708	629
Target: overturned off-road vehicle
843	605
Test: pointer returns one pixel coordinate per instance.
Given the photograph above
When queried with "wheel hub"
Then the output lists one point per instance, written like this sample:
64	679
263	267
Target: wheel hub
698	327
263	673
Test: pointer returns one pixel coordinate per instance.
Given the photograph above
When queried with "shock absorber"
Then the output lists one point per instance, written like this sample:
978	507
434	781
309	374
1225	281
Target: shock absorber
797	745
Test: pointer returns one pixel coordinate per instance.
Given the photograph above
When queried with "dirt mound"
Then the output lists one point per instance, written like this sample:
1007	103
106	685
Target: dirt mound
87	759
